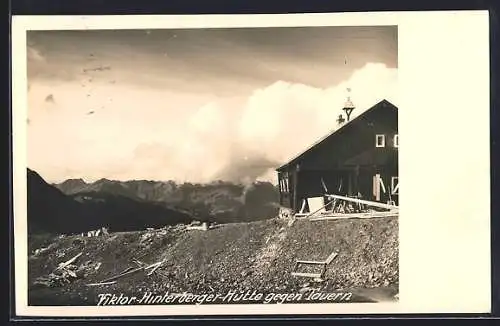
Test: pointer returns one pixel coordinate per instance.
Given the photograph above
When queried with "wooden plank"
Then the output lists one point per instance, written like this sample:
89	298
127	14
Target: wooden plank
112	278
295	183
324	186
316	204
321	208
126	270
102	283
312	262
306	275
366	202
382	184
331	258
141	264
62	265
346	216
374	184
303	206
359	215
154	266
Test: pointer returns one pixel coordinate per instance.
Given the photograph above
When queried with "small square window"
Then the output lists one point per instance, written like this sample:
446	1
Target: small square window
396	140
380	140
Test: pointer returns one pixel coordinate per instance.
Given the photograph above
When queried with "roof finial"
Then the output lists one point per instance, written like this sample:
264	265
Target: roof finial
348	106
348	102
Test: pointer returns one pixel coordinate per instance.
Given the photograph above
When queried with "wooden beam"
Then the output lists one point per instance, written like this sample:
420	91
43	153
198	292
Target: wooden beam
303	207
102	283
294	197
324	185
319	209
109	279
382	184
377	187
331	258
313	275
311	262
63	265
366	202
343	216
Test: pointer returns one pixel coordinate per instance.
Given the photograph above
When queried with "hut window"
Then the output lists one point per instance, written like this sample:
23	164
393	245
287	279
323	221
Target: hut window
395	185
284	184
396	140
380	140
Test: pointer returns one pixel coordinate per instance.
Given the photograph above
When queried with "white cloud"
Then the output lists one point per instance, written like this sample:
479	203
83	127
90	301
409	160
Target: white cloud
139	133
282	119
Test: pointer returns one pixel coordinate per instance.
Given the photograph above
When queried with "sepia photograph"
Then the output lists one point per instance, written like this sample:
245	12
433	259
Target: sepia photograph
254	165
249	165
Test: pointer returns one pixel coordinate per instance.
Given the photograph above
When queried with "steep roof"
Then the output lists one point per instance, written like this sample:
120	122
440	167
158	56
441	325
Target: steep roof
331	134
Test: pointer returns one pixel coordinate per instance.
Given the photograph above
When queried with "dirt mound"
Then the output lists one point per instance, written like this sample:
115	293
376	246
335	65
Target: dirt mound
233	257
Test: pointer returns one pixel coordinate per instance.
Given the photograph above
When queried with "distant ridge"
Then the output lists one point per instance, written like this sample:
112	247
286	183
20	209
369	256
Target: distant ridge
50	210
219	201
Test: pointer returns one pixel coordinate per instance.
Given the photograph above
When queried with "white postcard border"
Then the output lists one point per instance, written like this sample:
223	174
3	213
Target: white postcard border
444	229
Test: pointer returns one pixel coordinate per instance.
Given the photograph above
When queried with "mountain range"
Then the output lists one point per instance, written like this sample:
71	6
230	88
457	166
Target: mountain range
77	206
52	211
218	201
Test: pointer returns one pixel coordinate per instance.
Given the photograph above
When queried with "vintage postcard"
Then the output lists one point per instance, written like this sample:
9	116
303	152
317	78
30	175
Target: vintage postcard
239	165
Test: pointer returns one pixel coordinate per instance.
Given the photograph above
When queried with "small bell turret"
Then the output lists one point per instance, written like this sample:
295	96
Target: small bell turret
348	106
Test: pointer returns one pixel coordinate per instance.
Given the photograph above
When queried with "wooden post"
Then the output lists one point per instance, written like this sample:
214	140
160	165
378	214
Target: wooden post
279	188
295	190
356	180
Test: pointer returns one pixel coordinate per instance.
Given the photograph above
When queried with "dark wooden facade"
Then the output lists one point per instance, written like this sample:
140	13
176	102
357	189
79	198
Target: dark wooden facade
348	161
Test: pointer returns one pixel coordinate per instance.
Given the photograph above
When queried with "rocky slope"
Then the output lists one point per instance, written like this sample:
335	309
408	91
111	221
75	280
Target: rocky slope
237	257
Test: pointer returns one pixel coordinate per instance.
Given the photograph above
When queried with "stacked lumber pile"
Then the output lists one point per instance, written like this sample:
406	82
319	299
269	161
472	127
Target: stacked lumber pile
335	206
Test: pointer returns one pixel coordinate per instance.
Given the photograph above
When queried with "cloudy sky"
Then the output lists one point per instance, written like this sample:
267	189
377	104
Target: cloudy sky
195	105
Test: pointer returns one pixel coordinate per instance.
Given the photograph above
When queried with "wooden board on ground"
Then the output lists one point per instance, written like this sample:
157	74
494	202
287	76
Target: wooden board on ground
331	258
366	202
310	262
307	275
356	215
323	265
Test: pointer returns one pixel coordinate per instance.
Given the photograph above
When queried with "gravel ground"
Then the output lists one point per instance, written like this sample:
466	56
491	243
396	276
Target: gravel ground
237	257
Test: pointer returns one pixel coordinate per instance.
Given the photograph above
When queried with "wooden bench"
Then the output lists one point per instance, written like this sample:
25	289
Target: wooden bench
322	264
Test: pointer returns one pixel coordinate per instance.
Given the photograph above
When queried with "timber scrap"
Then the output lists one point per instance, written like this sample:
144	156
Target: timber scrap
337	201
323	264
